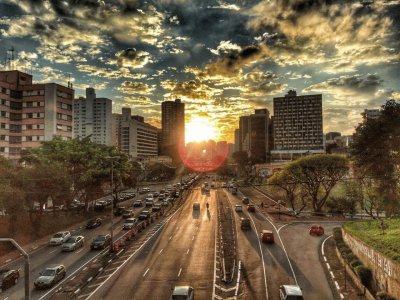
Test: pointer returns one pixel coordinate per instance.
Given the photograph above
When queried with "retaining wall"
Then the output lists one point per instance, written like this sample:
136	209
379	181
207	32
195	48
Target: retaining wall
386	272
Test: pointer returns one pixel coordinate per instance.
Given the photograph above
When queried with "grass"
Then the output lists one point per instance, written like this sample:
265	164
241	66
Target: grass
371	233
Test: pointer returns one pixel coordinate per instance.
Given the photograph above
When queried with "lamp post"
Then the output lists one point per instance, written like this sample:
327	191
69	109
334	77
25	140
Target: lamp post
112	196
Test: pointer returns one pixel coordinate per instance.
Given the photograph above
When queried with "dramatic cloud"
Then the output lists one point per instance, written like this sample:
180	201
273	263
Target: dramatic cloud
131	58
130	87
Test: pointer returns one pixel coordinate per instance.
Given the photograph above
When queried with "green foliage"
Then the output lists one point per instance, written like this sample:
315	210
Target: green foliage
317	175
382	295
337	234
371	233
364	274
355	263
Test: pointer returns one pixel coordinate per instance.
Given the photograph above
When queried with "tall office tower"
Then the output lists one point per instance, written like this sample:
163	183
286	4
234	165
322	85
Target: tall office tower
237	140
31	113
173	127
371	113
135	137
93	117
297	125
253	135
116	129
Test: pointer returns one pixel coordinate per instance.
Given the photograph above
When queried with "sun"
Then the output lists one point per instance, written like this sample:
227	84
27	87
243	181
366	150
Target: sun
199	129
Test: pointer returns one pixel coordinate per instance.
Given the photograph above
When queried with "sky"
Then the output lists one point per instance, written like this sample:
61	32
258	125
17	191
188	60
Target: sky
222	58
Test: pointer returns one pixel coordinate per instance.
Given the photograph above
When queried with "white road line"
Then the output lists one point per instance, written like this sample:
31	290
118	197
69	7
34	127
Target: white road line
52	251
170	238
192	238
187	252
84	269
161	251
80	250
146	272
180	270
283	226
72	278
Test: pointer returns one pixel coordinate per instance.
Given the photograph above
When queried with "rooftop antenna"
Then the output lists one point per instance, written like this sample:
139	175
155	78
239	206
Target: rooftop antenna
69	80
12	65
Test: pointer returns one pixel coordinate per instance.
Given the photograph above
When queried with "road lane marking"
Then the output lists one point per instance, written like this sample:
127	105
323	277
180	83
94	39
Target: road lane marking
180	270
215	262
84	269
79	251
72	278
170	238
187	252
146	272
192	238
161	251
52	251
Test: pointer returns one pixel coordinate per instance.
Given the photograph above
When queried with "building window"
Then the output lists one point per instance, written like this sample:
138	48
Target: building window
3	114
29	115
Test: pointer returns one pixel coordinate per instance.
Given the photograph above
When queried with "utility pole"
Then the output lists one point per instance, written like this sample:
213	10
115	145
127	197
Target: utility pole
112	197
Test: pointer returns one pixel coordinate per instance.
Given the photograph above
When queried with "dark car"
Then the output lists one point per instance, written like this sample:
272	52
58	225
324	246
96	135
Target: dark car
8	278
157	207
50	276
93	223
101	242
137	203
119	211
145	214
251	208
245	200
245	224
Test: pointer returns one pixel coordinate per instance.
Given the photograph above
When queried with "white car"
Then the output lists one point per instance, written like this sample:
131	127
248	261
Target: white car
165	202
73	243
238	208
182	293
59	238
287	292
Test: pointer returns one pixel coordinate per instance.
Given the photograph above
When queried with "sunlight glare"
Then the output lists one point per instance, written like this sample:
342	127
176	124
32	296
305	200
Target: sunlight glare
199	129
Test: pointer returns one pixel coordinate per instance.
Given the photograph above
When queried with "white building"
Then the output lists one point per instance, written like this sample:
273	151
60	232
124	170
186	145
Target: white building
93	117
133	136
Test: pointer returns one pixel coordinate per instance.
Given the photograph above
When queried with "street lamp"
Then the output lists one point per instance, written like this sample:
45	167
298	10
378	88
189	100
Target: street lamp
112	196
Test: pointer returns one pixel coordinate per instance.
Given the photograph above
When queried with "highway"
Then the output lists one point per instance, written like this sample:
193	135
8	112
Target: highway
183	254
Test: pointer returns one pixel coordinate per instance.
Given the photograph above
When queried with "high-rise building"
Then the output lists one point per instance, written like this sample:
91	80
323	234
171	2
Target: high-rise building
31	113
173	127
93	117
297	125
253	135
135	137
237	141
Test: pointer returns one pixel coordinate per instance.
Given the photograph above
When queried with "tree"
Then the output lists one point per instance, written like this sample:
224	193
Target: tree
317	175
242	159
375	152
285	181
347	202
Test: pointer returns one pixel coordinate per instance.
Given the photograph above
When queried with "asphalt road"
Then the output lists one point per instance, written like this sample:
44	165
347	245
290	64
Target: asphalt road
183	254
49	255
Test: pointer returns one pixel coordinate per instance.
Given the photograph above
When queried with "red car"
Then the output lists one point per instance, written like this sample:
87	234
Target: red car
316	230
267	236
251	208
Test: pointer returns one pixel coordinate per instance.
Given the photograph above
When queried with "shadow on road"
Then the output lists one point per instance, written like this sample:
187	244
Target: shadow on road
208	214
195	214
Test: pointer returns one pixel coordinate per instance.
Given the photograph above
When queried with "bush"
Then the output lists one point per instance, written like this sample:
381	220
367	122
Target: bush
337	234
355	263
384	296
350	257
364	274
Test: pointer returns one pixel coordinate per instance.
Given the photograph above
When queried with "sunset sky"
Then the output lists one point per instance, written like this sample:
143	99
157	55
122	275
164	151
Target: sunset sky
222	58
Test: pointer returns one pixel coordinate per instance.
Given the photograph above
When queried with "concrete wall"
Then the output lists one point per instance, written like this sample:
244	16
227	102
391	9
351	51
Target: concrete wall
386	273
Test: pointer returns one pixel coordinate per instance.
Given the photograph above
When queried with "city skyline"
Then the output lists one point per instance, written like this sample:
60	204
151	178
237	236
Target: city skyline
222	58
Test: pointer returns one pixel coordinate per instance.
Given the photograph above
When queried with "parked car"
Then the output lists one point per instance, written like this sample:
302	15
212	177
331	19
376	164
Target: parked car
93	223
145	214
157	207
8	278
267	236
59	238
119	211
238	208
101	242
137	203
196	206
251	208
245	200
129	223
245	224
128	213
316	230
290	292
182	293
50	276
73	243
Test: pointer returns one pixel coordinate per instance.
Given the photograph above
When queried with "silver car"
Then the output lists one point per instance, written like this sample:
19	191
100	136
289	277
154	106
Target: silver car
73	243
59	238
184	292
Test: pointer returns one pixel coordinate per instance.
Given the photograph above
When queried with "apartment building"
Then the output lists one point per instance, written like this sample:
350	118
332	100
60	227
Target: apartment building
32	113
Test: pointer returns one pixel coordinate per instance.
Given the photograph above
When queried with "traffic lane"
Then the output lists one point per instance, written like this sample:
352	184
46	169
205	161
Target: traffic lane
152	272
249	254
53	255
198	269
304	250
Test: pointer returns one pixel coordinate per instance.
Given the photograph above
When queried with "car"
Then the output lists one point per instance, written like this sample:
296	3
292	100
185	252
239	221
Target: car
238	208
149	202
93	223
119	211
155	194
245	200
290	292
161	197
101	242
129	223
165	202
245	224
150	196
251	208
234	191
8	278
137	203
316	230
145	214
73	243
50	276
157	207
267	236
182	292
128	213
59	238
196	206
